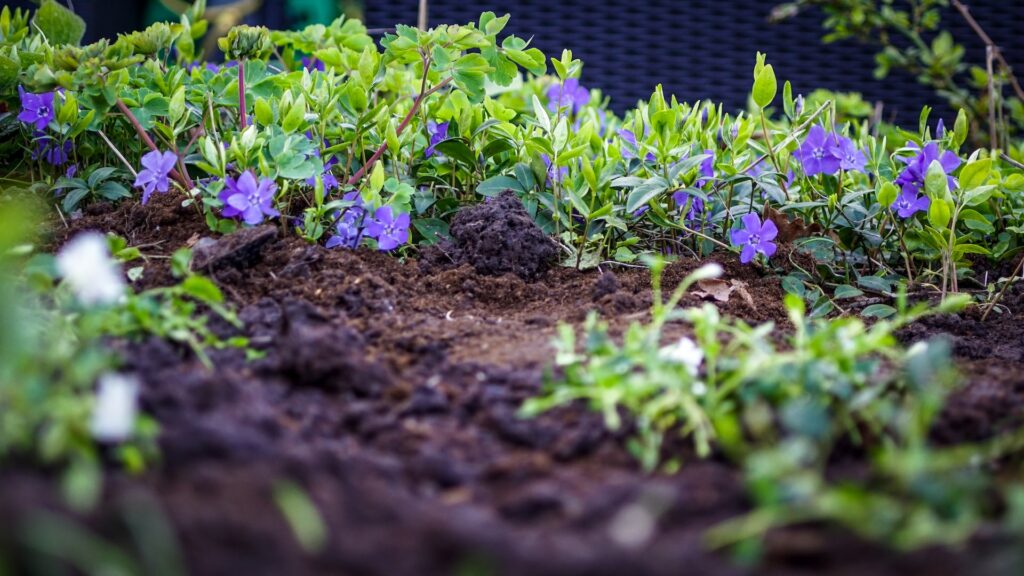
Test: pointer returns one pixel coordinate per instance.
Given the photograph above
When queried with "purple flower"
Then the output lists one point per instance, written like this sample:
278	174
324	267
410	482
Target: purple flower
707	169
312	64
389	230
329	179
568	94
912	177
36	109
909	202
755	237
629	150
248	198
71	171
554	176
157	165
696	205
438	133
51	150
940	129
349	230
850	157
816	153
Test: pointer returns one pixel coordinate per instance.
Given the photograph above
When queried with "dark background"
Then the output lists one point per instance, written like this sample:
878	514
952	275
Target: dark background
696	49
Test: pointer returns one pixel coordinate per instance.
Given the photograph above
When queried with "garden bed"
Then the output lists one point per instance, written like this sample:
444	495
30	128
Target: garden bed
389	391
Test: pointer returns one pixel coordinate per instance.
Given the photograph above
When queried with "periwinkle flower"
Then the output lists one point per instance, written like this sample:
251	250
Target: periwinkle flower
390	231
349	225
910	202
51	150
36	109
554	176
568	94
438	133
913	175
153	177
816	153
329	179
86	266
251	199
850	157
696	204
71	171
755	237
311	64
707	169
940	129
630	149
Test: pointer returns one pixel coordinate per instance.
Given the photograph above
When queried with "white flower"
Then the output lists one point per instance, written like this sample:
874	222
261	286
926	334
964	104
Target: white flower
685	352
113	416
86	265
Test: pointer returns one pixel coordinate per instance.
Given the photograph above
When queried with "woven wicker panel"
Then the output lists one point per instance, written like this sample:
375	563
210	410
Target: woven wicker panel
701	49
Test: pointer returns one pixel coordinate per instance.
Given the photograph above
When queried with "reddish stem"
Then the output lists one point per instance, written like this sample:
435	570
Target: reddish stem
181	177
241	95
398	131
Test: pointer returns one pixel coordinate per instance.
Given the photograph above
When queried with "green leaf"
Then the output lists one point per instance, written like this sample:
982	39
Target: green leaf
878	311
457	149
978	195
100	174
939	213
433	230
495	185
58	24
975	173
202	289
541	114
847	291
644	193
887	195
876	283
765	87
936	183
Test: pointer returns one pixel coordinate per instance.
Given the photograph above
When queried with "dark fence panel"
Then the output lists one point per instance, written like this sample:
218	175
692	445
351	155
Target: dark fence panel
700	49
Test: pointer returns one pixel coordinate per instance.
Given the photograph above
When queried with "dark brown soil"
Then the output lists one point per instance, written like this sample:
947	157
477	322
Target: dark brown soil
389	392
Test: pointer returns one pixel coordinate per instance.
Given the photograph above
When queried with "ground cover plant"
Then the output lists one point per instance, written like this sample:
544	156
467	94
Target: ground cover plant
397	305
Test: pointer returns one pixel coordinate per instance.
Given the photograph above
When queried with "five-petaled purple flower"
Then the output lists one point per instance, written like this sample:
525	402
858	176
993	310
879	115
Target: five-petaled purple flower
248	198
350	224
568	95
755	237
51	150
816	153
696	205
707	169
850	157
329	179
912	177
630	148
910	202
36	109
389	230
157	165
438	133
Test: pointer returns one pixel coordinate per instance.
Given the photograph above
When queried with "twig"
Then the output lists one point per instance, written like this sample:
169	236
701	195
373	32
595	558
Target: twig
1011	161
401	128
1010	280
993	135
422	21
118	153
997	53
184	181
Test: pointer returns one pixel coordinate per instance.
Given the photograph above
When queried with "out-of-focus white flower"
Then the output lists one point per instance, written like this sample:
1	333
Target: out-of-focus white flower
686	352
86	265
113	417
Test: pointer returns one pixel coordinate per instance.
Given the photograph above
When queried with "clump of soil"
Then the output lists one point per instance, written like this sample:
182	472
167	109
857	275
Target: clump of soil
499	237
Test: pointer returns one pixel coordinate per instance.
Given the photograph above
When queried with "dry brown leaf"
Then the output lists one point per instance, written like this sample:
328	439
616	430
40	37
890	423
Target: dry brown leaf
722	290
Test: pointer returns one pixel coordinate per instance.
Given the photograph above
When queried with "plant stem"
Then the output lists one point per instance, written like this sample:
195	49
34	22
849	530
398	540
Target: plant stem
771	153
242	120
398	131
182	179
